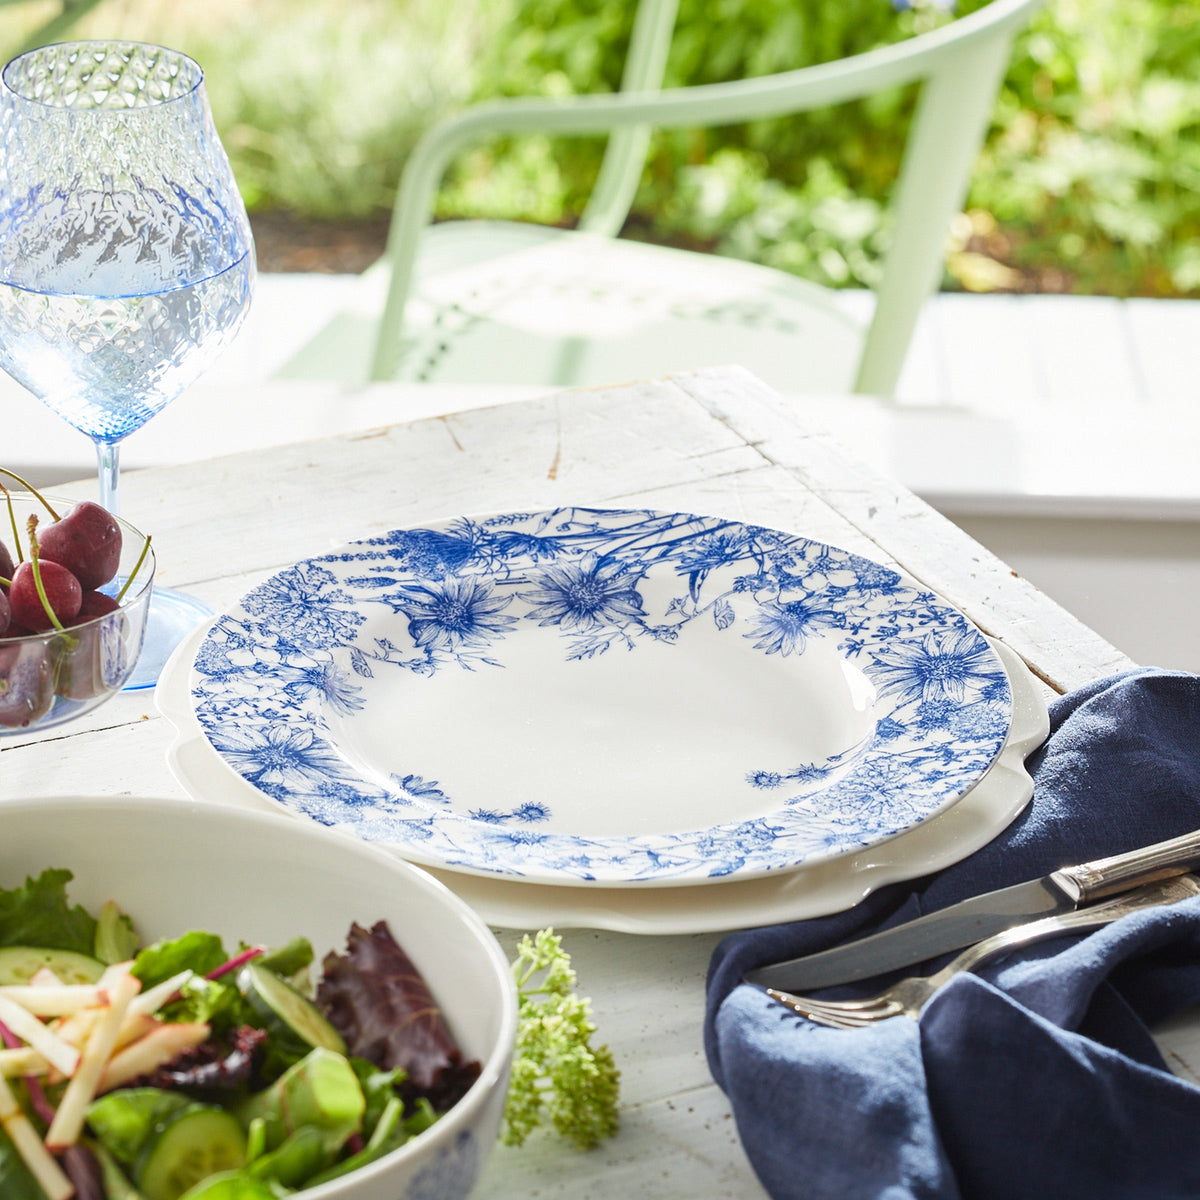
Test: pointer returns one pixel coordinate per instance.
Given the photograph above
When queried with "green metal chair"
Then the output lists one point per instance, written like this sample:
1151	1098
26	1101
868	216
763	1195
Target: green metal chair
516	303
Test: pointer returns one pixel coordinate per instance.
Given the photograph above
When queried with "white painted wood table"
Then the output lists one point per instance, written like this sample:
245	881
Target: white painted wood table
714	442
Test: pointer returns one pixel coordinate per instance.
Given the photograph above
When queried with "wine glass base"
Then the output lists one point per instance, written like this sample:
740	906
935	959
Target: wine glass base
173	615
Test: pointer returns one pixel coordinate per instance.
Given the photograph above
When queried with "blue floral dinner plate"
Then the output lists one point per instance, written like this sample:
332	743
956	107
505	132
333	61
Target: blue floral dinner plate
602	695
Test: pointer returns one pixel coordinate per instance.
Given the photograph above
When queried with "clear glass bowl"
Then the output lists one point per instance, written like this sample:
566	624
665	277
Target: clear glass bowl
48	678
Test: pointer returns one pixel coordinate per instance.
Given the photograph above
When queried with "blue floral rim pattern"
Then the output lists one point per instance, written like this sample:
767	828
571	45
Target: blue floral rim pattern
279	670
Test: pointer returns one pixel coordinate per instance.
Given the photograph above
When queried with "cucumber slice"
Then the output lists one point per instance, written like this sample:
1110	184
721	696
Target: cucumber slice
18	964
125	1120
198	1141
285	1012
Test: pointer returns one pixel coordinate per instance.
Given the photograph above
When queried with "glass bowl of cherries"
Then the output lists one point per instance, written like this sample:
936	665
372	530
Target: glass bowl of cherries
75	587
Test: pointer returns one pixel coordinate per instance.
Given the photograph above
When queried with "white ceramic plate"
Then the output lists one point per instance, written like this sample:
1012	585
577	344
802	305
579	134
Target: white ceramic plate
600	696
988	808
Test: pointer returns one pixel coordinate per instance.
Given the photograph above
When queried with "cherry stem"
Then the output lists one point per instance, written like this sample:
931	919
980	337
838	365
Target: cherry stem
137	566
37	575
29	488
12	520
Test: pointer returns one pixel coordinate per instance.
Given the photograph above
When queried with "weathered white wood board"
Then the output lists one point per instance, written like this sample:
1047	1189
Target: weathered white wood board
1058	648
714	441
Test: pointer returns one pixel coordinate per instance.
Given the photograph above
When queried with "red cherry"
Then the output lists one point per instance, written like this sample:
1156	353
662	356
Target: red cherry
87	541
62	591
26	683
85	663
95	604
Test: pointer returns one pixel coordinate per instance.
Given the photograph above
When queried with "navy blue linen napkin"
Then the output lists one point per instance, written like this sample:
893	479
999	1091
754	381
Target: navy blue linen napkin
1035	1077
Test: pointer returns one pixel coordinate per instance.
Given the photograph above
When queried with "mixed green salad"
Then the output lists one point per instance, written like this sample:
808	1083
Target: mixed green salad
189	1070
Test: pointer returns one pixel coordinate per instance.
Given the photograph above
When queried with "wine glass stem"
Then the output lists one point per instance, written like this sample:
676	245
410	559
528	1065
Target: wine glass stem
108	464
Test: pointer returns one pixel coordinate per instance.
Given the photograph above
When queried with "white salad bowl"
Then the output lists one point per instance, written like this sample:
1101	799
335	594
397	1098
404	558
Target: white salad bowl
178	865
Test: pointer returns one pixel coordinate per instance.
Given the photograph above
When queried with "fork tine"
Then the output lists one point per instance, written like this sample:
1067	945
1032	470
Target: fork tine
909	995
867	1006
836	1013
837	1020
832	1018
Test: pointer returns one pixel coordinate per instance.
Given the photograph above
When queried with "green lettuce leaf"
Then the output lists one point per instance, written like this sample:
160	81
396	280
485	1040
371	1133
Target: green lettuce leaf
215	1002
16	1180
199	951
39	914
378	1087
116	939
289	959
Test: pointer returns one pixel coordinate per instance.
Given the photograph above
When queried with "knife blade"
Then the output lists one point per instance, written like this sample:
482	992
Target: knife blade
972	920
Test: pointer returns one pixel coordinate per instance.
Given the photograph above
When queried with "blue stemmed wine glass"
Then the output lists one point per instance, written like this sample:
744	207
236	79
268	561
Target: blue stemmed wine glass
126	258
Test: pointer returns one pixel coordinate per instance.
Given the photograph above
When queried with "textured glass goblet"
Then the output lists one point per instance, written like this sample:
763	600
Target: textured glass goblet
126	259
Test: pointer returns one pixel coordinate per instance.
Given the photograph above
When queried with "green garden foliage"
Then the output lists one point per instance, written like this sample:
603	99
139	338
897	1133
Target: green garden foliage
1094	161
317	101
1089	181
801	193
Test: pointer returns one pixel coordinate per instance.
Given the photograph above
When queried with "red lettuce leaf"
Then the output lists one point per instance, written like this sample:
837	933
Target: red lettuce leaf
377	1000
217	1066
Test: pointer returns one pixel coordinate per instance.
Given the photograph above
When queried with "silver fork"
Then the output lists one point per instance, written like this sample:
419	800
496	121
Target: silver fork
910	995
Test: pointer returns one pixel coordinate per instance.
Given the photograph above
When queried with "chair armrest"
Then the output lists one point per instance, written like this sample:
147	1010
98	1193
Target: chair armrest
712	104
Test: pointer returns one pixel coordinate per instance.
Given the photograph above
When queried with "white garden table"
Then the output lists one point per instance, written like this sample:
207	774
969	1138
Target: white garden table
712	442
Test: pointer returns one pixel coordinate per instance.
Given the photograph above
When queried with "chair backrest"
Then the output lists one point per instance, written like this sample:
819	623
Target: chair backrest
625	154
959	66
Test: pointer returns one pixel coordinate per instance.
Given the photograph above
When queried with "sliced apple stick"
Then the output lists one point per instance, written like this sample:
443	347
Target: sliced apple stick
77	1028
167	1042
22	1060
152	999
135	1026
54	1000
37	1158
31	1031
68	1120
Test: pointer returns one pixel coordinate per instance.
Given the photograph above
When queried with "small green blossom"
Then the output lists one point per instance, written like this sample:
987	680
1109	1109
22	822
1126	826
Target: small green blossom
557	1075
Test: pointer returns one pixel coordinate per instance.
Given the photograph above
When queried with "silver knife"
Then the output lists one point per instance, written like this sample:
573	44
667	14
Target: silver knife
972	920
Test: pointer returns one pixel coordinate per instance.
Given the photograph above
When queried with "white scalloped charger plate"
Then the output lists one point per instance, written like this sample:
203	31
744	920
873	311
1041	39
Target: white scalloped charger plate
603	696
986	809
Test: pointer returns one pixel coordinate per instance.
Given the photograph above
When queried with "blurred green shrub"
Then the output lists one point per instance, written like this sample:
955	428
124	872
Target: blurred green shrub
800	193
1089	181
1094	160
318	102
